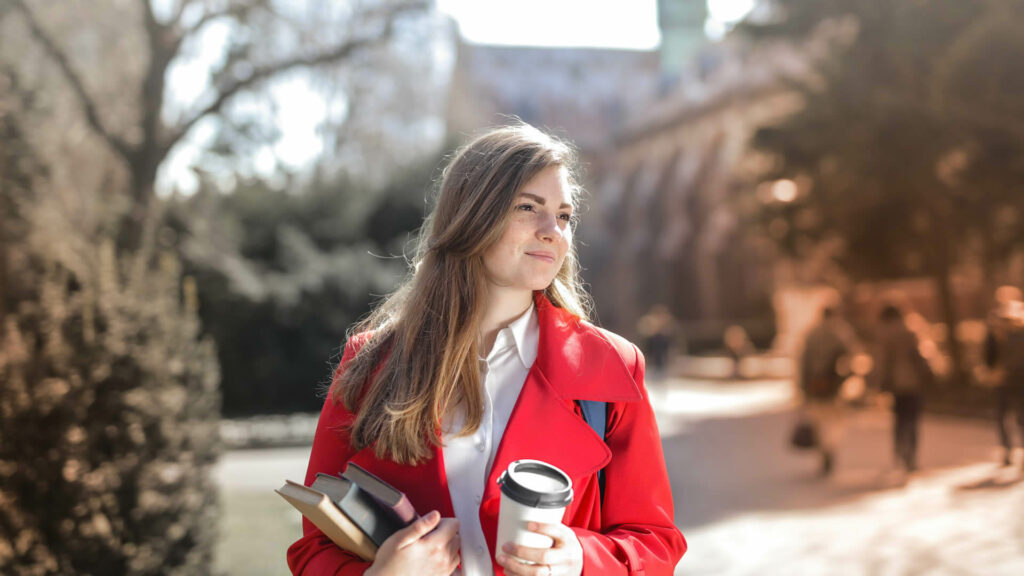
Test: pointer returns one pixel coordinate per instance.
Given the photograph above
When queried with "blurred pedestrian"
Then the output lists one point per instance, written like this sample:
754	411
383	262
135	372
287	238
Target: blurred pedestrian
903	371
826	344
657	327
1004	357
737	345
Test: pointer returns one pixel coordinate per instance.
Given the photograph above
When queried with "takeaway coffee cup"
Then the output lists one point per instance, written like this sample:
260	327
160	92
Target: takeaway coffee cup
531	491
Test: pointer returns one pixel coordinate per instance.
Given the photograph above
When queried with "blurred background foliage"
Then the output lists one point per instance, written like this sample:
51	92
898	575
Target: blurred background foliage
112	297
283	273
109	406
907	156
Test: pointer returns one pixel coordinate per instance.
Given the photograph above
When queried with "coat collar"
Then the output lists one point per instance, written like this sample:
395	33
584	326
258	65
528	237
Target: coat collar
579	360
575	361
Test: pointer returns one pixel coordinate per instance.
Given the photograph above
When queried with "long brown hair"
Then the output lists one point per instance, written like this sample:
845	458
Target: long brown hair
420	361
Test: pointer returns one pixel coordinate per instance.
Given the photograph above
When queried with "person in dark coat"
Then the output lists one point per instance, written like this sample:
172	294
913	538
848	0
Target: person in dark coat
1004	356
901	369
820	380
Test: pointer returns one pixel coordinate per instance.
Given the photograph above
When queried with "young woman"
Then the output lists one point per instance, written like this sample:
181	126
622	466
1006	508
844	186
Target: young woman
481	359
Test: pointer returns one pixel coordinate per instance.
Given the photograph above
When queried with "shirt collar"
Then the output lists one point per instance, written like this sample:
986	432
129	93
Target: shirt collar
523	333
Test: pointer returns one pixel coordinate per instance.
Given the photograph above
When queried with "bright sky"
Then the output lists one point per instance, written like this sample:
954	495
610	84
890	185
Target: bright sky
605	23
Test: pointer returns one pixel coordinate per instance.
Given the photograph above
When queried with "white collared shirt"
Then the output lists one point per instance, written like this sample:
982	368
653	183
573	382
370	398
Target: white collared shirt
468	459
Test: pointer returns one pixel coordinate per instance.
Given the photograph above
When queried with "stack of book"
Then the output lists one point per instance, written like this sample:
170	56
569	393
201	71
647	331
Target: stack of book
357	511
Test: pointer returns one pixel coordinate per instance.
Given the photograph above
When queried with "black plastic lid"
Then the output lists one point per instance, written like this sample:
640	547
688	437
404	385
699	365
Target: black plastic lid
514	483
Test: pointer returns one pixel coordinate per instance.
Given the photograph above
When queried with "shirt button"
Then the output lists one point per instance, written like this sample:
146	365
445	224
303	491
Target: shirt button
478	500
480	550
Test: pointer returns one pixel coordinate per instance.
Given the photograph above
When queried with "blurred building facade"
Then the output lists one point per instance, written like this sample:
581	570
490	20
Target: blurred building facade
663	136
668	209
554	88
670	206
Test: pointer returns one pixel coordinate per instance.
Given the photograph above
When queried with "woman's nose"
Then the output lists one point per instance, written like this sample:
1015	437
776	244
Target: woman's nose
549	230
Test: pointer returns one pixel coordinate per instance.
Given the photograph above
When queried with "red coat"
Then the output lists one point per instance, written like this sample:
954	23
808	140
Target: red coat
633	533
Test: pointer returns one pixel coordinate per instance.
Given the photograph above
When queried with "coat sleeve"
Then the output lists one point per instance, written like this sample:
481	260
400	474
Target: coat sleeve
639	536
314	554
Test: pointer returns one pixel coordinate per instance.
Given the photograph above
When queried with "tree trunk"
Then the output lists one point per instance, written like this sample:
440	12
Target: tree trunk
132	225
989	276
944	284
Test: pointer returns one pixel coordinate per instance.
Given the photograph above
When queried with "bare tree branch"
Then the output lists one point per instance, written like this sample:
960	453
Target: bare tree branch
390	12
91	113
180	11
233	11
160	40
147	9
338	53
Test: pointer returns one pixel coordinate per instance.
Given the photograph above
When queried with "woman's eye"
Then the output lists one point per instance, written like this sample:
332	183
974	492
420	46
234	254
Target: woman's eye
565	217
525	207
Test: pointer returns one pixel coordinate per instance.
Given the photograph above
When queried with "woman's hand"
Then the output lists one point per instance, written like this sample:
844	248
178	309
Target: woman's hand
564	558
428	546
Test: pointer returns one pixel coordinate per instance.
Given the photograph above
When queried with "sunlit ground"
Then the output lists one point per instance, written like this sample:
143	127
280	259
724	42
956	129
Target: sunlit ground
257	526
964	521
748	504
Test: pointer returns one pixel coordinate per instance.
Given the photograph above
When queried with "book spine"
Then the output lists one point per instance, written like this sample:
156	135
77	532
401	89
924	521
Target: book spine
374	520
404	511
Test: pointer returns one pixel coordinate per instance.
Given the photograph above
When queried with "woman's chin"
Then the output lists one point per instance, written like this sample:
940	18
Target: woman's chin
541	284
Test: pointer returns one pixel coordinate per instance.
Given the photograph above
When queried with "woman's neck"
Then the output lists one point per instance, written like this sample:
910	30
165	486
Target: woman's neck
503	306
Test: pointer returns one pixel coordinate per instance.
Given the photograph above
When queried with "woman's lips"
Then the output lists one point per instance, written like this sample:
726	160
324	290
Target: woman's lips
545	256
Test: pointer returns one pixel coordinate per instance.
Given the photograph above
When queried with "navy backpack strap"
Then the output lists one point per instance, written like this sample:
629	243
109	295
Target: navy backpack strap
596	414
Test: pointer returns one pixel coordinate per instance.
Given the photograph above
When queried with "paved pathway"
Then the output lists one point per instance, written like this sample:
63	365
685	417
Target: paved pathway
750	505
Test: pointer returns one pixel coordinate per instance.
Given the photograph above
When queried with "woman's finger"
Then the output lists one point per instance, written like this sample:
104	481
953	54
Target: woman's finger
444	532
517	567
535	555
456	557
557	532
452	554
453	547
418	529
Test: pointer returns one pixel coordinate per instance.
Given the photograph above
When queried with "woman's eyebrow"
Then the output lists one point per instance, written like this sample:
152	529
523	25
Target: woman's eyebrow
540	200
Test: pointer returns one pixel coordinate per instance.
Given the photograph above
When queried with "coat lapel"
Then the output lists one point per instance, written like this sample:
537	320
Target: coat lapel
579	360
574	362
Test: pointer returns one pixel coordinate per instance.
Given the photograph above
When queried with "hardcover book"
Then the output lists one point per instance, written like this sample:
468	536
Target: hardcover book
322	512
376	521
390	498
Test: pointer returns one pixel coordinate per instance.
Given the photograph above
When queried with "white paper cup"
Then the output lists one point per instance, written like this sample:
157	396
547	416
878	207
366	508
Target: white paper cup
531	491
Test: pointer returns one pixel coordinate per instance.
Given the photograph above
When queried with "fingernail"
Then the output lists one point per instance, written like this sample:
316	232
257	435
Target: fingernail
507	547
500	558
433	515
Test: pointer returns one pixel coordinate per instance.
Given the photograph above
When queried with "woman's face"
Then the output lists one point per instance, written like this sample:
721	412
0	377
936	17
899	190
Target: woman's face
537	235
